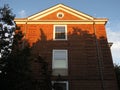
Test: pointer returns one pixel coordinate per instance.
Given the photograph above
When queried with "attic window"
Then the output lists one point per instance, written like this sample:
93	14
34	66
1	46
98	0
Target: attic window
60	15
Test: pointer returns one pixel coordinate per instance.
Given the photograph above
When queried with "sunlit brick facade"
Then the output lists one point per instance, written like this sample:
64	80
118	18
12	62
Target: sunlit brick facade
75	46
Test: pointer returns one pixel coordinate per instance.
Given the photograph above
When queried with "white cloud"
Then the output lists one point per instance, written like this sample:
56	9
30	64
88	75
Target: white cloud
22	13
114	36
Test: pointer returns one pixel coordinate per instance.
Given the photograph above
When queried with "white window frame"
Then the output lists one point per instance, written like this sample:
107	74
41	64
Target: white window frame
65	32
61	82
66	51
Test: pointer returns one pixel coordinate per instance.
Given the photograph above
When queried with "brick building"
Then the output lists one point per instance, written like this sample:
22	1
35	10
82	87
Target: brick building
75	46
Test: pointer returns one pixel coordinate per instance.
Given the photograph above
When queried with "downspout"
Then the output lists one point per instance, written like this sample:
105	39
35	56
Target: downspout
99	57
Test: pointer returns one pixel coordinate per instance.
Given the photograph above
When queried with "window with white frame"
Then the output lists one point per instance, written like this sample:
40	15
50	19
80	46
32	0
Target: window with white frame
59	58
60	62
60	85
60	32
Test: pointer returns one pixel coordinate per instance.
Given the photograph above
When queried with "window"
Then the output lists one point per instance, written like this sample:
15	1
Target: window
60	85
59	58
60	62
60	32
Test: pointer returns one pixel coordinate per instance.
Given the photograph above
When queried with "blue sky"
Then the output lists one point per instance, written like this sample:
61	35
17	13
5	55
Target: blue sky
97	8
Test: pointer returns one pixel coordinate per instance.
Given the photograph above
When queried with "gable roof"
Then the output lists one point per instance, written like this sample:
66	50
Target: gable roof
62	7
70	15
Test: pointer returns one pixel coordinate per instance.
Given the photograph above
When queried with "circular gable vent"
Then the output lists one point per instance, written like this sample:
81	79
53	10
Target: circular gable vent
60	15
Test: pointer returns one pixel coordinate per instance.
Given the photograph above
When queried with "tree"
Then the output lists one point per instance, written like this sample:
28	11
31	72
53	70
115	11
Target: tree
44	83
117	71
15	68
18	69
18	73
13	57
7	29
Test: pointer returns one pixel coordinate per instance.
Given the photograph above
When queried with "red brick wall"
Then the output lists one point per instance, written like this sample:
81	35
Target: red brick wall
84	71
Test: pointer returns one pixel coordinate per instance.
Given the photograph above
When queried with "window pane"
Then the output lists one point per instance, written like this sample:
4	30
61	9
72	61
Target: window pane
60	64
59	32
60	86
60	59
60	55
60	71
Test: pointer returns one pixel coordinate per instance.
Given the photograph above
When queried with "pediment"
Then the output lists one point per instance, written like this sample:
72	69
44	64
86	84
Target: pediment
60	12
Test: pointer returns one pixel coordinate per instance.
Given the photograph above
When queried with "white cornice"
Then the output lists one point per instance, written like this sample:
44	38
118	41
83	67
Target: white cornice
61	21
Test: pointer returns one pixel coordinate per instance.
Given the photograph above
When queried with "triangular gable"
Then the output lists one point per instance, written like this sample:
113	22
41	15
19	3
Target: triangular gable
53	14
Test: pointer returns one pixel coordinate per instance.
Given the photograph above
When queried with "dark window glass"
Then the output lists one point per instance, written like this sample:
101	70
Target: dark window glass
60	32
60	86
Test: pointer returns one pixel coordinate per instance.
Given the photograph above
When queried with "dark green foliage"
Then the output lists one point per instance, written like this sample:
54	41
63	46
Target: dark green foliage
17	74
44	83
7	28
18	69
17	39
117	71
6	14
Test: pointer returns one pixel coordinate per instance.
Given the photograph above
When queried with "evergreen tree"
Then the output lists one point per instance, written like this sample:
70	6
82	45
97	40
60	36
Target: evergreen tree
7	29
18	73
15	68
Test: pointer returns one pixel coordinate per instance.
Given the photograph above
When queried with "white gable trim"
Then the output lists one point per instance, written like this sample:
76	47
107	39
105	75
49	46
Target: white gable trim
60	7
